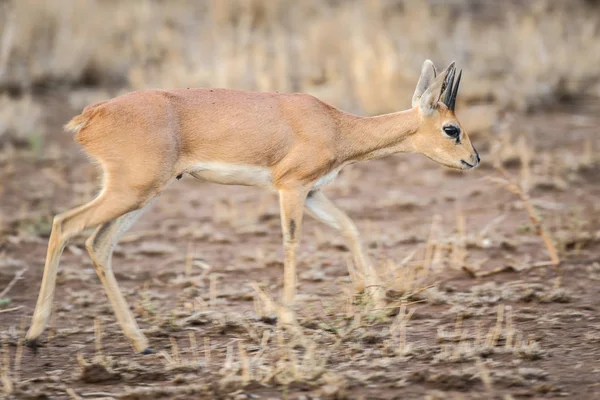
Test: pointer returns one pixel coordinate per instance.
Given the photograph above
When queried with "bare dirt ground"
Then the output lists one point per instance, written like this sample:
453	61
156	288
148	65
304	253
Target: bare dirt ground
187	267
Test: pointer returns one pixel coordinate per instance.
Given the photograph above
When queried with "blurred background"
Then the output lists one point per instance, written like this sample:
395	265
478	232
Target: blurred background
528	98
361	55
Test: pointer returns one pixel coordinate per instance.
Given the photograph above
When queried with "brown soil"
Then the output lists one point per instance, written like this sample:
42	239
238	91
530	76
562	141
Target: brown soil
546	345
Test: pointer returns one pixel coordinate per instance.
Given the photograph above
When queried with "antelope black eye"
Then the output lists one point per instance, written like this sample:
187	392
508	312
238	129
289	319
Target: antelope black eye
451	131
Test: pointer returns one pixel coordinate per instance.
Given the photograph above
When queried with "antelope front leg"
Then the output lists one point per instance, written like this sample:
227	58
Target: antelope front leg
320	207
291	203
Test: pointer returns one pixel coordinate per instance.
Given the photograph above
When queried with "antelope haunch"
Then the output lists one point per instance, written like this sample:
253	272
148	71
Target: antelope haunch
289	143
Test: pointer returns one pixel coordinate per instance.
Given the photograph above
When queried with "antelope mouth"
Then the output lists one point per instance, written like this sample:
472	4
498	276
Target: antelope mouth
466	164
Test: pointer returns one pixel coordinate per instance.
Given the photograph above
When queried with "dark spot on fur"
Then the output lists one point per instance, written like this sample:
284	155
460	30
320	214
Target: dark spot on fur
179	176
292	228
311	194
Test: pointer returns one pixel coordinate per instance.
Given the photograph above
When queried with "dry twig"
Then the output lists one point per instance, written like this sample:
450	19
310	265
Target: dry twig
11	309
513	186
510	184
14	280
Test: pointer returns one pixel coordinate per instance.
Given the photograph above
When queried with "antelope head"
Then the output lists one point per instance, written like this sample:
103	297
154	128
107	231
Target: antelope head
440	136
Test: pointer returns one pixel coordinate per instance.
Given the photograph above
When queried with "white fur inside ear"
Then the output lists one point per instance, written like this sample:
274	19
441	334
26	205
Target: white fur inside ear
429	100
428	74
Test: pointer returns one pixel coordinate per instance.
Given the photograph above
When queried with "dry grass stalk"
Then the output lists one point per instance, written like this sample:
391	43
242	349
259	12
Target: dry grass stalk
478	334
459	245
7	41
589	155
175	351
518	339
264	304
490	225
458	332
12	283
461	346
200	305
98	335
228	362
525	154
213	289
263	347
148	309
99	395
405	276
437	264
258	307
510	332
19	351
355	276
189	260
286	366
72	394
5	375
207	353
194	347
432	245
245	362
398	330
350	308
485	376
507	268
499	321
194	391
6	310
260	257
169	361
510	184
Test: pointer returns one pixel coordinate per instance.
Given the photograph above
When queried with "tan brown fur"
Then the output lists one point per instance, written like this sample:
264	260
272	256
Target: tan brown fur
290	143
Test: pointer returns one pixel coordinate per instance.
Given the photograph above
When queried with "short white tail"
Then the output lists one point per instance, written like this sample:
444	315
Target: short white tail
77	123
289	143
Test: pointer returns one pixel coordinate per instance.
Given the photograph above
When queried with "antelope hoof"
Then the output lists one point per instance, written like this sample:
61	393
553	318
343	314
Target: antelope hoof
359	285
377	296
286	316
147	350
33	344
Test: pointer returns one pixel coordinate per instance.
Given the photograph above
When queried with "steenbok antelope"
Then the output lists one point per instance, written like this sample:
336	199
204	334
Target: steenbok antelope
293	144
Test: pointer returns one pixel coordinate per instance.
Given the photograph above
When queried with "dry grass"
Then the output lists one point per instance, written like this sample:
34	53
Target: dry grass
20	122
360	55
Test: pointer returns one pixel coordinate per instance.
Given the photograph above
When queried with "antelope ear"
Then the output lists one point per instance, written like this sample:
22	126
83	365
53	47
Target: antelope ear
432	95
428	74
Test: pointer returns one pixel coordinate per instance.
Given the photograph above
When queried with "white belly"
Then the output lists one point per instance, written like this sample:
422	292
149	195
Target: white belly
230	174
247	175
